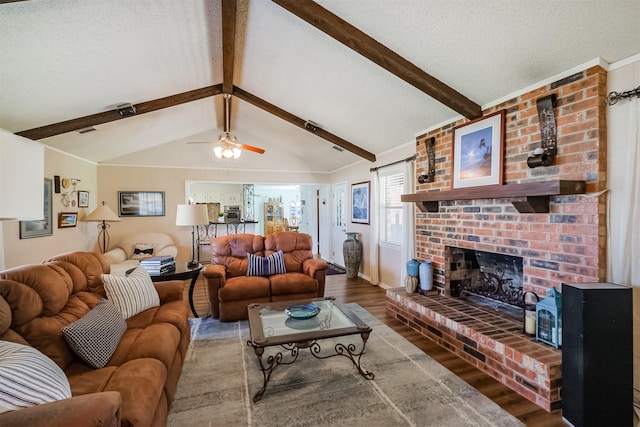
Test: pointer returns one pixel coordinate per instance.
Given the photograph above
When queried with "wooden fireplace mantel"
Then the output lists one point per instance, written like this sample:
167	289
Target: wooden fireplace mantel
533	196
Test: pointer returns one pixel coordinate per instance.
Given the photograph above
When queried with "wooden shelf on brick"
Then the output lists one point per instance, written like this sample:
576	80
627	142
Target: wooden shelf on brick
533	196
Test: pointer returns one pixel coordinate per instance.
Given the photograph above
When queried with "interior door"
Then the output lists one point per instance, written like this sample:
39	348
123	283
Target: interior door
338	221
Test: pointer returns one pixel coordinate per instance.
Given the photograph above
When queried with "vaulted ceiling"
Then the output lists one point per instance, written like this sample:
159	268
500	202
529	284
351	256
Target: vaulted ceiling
368	74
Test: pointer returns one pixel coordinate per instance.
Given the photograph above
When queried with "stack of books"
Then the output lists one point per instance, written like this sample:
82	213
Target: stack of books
158	264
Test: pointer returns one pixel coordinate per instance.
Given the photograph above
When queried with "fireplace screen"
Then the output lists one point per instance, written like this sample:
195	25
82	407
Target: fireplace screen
487	279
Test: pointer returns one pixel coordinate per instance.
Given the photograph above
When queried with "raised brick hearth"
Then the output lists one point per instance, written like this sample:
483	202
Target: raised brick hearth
490	341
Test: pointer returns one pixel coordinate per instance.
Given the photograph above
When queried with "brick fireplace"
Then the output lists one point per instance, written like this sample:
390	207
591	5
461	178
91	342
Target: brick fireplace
567	244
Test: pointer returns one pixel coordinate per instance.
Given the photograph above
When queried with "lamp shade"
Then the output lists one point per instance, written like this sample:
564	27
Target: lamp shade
21	177
192	215
102	213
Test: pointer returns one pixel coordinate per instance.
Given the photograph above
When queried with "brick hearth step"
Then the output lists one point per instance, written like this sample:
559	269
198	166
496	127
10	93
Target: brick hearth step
491	341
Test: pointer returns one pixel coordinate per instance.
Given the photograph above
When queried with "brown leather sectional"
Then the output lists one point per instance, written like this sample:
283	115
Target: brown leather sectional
137	386
231	290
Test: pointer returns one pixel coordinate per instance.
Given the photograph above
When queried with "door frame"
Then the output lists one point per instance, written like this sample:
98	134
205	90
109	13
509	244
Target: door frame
338	225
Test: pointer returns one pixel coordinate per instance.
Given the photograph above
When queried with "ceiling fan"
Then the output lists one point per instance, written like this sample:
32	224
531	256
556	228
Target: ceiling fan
227	146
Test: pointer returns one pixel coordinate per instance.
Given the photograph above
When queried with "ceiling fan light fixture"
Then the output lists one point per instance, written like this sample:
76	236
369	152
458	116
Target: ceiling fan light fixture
226	148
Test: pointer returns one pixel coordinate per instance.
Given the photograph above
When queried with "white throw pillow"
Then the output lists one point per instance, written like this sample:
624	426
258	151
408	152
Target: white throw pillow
96	335
142	251
131	294
28	377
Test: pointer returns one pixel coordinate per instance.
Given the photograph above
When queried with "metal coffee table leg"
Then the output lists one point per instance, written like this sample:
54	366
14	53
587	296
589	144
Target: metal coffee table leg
349	351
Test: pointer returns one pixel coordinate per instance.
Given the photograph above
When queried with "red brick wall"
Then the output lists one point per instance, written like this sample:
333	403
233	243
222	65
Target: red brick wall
566	245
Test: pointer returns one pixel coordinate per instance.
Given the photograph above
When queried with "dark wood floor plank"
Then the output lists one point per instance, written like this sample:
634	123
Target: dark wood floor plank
371	298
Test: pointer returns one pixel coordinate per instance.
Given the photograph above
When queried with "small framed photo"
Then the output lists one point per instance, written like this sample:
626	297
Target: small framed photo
67	219
360	202
83	199
478	148
140	203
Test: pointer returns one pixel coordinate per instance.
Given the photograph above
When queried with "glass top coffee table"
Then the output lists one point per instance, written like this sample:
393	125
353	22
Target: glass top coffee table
295	325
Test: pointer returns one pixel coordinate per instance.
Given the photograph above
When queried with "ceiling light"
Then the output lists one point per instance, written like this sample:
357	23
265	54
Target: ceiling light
226	147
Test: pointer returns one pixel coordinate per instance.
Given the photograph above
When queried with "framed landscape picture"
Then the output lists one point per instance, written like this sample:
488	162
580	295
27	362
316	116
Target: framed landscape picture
83	199
360	202
41	227
140	203
67	219
478	148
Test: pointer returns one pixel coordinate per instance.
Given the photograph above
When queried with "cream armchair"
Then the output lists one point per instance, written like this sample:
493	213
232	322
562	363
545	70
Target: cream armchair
128	251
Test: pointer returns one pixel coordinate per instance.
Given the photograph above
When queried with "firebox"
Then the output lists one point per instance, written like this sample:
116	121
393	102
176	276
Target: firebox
486	279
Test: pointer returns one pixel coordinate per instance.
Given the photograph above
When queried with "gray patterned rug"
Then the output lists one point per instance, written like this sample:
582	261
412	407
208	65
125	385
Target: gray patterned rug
221	374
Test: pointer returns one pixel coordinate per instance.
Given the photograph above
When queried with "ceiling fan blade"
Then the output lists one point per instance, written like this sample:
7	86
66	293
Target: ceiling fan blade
250	148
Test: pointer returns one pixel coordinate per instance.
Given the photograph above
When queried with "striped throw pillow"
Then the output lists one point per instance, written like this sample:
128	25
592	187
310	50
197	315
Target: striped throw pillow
261	266
95	336
28	378
132	294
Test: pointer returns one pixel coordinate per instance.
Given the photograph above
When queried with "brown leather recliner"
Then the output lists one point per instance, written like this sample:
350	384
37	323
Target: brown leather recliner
231	290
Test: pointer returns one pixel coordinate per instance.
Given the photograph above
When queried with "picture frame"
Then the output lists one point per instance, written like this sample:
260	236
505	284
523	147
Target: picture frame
67	219
41	227
140	203
360	203
83	199
478	152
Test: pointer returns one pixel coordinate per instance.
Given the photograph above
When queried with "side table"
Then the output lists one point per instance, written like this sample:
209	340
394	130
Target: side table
181	272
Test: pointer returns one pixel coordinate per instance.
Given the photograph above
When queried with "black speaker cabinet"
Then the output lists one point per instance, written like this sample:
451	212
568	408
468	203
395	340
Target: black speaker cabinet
597	354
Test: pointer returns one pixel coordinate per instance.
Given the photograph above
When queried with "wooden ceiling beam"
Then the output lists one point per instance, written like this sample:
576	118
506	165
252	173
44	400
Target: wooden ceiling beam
228	57
381	55
228	44
113	115
302	123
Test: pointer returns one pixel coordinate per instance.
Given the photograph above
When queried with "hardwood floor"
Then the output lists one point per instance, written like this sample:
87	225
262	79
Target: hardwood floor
371	298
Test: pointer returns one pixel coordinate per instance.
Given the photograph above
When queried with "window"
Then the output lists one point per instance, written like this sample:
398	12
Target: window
391	187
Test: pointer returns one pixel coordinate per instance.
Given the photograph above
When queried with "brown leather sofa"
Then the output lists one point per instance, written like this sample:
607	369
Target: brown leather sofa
136	387
231	290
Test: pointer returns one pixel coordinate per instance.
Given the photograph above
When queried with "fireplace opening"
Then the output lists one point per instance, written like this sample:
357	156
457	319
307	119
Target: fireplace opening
489	280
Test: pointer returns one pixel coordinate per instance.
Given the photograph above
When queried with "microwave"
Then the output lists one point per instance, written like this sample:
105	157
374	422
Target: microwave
232	212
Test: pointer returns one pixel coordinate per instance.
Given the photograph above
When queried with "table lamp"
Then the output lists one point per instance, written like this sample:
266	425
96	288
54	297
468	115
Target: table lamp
103	214
192	215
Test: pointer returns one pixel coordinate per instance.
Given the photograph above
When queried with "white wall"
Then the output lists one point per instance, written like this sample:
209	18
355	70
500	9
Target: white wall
389	257
621	78
172	181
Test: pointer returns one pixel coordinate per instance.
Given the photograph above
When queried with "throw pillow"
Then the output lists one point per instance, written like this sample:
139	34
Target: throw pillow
95	336
266	266
142	251
131	294
28	377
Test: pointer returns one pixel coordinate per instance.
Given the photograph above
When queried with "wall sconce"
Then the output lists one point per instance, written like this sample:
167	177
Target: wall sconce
430	174
544	155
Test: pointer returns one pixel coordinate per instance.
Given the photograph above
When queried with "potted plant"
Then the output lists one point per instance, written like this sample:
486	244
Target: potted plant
220	216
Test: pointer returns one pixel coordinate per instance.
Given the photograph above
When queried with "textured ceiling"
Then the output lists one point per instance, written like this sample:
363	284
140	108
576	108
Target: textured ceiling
61	60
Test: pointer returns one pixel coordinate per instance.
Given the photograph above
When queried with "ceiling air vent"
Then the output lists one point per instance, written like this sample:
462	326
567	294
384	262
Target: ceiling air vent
86	130
340	149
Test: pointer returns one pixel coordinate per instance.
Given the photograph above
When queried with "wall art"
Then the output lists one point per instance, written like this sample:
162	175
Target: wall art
360	202
140	203
67	219
83	199
478	148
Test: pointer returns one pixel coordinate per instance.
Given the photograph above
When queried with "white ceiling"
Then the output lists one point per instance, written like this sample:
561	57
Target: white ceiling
64	59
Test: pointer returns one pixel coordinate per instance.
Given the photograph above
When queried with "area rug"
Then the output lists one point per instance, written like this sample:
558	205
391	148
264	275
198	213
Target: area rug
221	374
333	269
